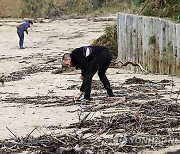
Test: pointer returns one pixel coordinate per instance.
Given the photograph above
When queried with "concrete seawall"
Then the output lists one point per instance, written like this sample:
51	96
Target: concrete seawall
152	42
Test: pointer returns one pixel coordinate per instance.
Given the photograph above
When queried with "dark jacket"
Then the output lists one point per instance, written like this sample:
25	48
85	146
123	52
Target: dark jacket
81	57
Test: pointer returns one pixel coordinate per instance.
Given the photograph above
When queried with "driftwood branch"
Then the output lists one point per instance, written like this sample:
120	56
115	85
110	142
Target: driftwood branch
2	81
31	132
11	132
104	106
177	96
82	121
133	64
137	113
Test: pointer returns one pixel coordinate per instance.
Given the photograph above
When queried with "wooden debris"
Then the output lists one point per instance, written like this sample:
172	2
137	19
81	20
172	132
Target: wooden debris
62	70
2	81
136	80
140	113
50	61
104	106
133	64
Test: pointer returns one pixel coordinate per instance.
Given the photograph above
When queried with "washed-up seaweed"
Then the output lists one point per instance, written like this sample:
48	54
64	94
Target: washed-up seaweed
138	118
19	75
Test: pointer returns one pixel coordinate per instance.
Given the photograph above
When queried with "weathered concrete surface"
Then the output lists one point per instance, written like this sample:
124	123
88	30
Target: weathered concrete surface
152	42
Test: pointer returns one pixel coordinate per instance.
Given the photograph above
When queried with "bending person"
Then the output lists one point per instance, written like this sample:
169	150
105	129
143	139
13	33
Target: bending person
90	59
20	31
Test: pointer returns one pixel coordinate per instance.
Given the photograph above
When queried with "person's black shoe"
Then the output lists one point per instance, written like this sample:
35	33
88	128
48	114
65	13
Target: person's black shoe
111	95
21	47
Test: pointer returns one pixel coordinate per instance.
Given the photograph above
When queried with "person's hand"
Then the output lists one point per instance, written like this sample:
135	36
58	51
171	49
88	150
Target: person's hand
78	96
81	77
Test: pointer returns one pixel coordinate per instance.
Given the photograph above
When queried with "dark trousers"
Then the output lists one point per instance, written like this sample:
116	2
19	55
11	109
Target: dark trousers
101	64
20	33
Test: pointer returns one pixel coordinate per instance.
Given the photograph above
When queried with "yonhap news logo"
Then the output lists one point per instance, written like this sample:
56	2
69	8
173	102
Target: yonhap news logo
157	140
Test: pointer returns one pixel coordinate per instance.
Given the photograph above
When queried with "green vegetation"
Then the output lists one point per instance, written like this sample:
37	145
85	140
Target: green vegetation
56	8
33	8
152	40
53	10
88	7
109	39
147	11
139	2
161	8
178	18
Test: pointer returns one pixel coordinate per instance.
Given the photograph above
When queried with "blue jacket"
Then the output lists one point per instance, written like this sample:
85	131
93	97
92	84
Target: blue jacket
24	26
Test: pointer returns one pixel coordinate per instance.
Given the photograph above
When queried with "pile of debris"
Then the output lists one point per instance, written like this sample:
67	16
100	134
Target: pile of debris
140	117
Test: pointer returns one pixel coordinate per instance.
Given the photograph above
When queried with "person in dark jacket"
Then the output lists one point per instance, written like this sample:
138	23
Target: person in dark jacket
90	59
20	31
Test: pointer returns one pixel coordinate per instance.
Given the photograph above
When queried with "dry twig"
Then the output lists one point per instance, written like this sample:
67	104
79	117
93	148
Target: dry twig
133	64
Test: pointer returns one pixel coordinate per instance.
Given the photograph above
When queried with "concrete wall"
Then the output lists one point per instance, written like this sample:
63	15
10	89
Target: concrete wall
152	42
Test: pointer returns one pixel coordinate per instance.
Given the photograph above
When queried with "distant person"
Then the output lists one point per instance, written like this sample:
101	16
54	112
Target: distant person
20	31
90	59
